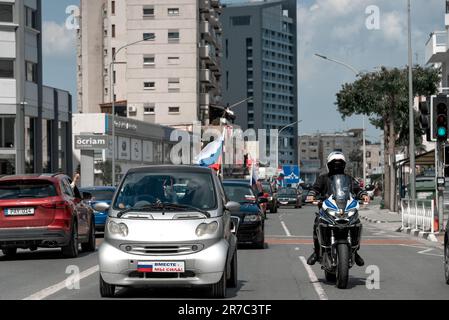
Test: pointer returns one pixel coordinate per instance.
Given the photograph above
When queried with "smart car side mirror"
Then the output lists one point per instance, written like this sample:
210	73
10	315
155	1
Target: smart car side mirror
101	207
232	206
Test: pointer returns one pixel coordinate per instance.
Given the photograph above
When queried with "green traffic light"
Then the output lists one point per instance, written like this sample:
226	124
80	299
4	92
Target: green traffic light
442	132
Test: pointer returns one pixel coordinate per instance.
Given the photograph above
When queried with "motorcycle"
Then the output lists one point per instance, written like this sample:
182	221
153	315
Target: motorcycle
339	231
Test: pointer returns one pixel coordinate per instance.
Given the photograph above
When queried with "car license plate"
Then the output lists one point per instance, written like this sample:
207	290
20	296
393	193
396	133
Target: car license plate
161	267
19	212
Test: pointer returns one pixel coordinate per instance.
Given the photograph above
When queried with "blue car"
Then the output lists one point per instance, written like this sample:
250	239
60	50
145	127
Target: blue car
252	221
100	194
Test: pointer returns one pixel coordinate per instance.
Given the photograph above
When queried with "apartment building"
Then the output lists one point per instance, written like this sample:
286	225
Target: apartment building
35	120
172	78
260	61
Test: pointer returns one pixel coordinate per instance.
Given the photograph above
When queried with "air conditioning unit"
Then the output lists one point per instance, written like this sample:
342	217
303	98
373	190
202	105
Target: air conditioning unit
132	109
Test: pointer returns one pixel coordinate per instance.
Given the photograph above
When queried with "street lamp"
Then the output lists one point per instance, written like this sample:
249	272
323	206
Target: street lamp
357	74
112	84
279	133
230	112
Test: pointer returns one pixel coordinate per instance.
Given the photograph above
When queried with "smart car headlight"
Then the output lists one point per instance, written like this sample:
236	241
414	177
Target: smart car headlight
118	228
206	228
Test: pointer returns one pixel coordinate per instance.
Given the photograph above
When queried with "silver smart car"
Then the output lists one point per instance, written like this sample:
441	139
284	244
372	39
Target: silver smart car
158	234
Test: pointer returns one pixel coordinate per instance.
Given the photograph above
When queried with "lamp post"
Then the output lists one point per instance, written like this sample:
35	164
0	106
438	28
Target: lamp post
357	74
112	85
279	134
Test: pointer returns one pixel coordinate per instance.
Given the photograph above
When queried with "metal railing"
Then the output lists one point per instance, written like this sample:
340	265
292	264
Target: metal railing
418	215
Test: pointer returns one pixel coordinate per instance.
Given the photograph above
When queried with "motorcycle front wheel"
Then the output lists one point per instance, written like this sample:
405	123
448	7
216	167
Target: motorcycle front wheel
342	266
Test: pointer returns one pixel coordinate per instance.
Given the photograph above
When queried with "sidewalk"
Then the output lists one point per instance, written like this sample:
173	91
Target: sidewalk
393	221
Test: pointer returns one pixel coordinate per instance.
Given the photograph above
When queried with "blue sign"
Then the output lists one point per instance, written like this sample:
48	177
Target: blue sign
292	174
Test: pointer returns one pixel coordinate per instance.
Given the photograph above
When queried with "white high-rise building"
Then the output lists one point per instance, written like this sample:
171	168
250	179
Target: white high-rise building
170	79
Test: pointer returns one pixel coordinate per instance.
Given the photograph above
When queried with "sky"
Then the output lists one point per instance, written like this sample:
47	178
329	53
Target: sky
335	28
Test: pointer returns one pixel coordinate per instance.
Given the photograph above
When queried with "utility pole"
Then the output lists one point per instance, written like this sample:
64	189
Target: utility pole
412	191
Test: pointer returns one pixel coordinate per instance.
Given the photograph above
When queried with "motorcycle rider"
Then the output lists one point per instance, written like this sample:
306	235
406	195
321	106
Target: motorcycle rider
336	164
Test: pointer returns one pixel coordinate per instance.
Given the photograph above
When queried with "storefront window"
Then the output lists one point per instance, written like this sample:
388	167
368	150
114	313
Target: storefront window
158	152
7	164
46	146
29	144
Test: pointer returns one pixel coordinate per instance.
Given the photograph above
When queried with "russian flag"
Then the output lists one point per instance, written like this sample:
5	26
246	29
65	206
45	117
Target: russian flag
211	154
144	267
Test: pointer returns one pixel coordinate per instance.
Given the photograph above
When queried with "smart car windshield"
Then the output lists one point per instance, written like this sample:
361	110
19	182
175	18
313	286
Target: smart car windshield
143	189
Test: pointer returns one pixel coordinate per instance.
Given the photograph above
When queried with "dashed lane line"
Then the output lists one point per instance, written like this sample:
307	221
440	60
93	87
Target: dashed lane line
314	280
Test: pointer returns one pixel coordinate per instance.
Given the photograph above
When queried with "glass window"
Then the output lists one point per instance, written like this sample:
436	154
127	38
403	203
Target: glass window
173	60
7	68
149	108
100	195
174	84
240	193
29	144
183	188
31	71
149	36
6	13
241	21
173	110
173	11
113	7
149	60
30	18
149	85
148	11
7	133
27	189
173	35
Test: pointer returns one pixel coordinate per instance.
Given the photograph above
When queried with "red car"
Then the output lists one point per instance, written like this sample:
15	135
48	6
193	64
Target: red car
44	211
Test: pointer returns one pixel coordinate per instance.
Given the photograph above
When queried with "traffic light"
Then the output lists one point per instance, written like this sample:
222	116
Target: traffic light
440	106
424	109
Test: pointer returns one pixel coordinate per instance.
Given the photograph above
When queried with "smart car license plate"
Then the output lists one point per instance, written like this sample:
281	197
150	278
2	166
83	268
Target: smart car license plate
19	212
161	267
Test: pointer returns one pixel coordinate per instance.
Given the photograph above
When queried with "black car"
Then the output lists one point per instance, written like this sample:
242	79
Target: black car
252	223
289	197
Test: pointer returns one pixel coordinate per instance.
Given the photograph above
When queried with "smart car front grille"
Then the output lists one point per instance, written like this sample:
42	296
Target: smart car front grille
161	250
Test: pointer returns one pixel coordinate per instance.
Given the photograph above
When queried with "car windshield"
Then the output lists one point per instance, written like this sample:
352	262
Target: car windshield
287	192
341	189
143	188
100	195
31	189
240	194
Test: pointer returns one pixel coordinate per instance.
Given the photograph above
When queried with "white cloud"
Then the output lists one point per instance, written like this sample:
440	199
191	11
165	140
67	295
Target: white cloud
57	39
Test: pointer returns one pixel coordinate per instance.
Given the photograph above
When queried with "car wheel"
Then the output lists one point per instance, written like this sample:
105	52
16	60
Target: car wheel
218	290
106	290
261	243
233	281
71	250
9	252
90	245
446	262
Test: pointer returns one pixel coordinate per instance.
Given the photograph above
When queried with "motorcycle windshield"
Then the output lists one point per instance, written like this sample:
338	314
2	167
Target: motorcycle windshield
341	189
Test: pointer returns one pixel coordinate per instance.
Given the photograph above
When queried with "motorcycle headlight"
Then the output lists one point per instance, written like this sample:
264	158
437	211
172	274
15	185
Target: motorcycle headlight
206	228
252	218
332	213
352	212
118	228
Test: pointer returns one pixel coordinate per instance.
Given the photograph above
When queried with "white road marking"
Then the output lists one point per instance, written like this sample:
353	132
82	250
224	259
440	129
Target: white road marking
61	285
425	252
314	280
287	232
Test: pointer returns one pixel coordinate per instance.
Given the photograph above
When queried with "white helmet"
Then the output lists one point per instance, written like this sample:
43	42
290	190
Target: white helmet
336	157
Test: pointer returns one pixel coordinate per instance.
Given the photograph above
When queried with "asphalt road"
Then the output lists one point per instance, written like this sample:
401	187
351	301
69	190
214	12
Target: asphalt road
407	268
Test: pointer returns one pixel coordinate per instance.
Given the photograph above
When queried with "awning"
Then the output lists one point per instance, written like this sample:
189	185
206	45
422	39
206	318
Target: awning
425	159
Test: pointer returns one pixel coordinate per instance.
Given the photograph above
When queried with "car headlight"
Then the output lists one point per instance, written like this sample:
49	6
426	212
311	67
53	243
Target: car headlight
206	228
118	228
252	218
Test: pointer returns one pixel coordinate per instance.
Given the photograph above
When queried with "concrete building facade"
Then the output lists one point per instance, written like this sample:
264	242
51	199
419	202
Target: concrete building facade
260	61
35	120
173	78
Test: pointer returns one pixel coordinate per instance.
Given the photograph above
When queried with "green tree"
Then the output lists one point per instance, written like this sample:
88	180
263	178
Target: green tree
383	97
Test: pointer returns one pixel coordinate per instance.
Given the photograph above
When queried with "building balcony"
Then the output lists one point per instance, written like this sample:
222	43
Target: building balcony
208	53
205	99
207	77
205	5
436	47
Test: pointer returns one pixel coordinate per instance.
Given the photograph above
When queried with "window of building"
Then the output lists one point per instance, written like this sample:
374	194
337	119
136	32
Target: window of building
173	11
7	132
113	30
7	68
113	52
149	60
173	60
149	108
149	85
6	13
241	20
174	84
113	7
149	36
31	71
173	110
368	154
173	35
148	11
30	18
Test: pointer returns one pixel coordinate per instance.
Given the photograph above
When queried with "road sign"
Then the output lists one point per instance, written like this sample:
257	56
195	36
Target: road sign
291	174
91	142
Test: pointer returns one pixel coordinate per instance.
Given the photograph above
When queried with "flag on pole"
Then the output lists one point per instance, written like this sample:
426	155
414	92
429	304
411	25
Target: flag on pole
211	155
